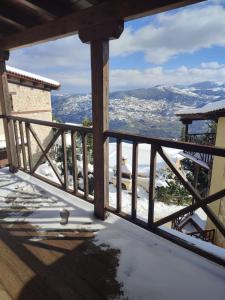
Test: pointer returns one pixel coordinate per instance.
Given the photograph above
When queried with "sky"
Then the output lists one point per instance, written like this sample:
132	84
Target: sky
182	46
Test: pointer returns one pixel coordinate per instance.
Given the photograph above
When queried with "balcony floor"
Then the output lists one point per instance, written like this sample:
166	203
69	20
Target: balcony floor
87	258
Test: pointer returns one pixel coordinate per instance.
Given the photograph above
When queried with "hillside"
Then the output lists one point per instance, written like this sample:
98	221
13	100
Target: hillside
147	111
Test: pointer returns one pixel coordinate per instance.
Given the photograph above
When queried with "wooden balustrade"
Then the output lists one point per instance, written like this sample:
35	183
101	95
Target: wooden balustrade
24	130
157	147
205	235
27	136
201	139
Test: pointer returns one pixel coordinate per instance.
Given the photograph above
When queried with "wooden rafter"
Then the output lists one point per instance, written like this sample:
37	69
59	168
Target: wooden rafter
15	25
97	14
18	15
33	9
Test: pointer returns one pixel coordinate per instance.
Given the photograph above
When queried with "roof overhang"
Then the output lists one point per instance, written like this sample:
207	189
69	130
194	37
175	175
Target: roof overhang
24	23
213	115
24	76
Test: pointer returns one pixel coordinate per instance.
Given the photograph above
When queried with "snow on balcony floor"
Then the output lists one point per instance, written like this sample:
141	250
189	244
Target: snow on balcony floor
149	267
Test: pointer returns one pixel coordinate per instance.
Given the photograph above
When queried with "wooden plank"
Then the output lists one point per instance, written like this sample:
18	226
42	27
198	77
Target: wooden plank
100	99
6	110
52	124
218	151
15	25
28	146
112	29
103	12
194	193
34	9
118	174
46	154
17	143
134	181
74	161
50	144
65	163
23	146
152	185
85	165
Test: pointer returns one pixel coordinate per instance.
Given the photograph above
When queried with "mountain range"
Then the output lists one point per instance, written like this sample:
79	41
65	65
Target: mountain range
146	111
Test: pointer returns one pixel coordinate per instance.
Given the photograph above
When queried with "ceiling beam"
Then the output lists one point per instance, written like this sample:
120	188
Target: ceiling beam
12	23
103	12
34	9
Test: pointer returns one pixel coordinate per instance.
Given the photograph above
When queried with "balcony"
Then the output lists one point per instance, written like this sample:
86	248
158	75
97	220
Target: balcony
103	252
203	159
88	258
75	176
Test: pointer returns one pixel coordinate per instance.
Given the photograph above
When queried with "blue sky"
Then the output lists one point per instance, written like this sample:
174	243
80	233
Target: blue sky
178	47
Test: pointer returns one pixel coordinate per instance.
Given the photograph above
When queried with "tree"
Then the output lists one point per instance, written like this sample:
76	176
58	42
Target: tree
174	192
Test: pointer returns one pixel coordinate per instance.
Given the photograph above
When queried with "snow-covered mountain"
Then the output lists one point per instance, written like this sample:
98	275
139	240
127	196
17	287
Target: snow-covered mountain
148	111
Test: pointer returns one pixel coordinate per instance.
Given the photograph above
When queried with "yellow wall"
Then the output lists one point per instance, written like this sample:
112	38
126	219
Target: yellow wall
218	182
31	99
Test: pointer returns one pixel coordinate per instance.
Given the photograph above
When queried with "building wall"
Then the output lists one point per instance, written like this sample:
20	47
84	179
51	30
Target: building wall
34	103
218	183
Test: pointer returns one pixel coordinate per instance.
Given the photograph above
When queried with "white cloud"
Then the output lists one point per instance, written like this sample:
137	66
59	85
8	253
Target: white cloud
185	31
128	79
124	79
68	52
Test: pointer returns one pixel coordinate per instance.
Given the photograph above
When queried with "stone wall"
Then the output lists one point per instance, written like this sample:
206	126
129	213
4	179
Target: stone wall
34	103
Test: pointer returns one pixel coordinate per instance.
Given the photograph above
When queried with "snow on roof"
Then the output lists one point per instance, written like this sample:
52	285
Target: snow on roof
210	107
30	76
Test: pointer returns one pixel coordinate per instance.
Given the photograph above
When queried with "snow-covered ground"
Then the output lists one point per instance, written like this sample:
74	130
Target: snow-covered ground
150	267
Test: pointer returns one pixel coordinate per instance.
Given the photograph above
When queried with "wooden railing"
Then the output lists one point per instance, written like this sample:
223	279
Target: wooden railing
24	130
205	235
27	129
208	138
157	147
201	139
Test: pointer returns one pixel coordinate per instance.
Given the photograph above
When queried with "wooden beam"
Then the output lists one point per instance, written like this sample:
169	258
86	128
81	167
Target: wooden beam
98	14
23	146
33	9
100	81
152	176
85	166
13	24
134	180
15	13
46	154
112	29
118	174
74	160
5	103
167	143
98	36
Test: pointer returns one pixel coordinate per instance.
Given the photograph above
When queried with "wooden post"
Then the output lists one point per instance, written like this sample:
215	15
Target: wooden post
152	175
6	111
186	127
98	36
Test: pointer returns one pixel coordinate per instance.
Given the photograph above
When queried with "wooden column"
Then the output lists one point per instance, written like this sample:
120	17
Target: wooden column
5	103
98	36
186	127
